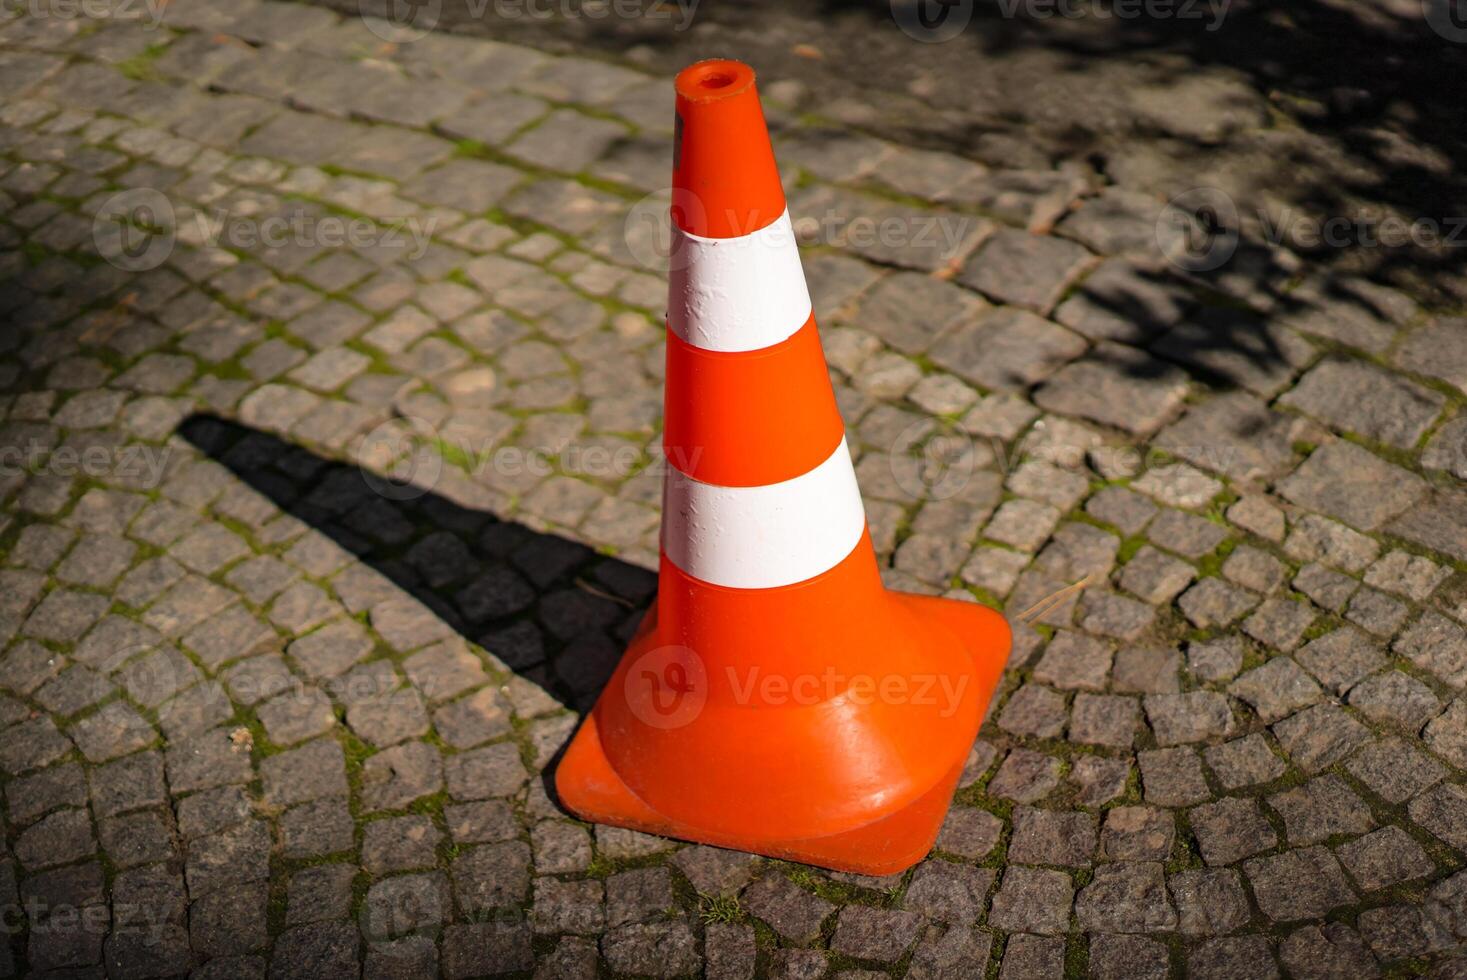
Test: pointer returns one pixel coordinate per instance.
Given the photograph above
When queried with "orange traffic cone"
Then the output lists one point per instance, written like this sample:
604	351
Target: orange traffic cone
777	698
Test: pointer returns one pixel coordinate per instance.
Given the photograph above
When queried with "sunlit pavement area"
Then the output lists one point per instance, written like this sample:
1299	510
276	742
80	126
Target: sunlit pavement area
329	454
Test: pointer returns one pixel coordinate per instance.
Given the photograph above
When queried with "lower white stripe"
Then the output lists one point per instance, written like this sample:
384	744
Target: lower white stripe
763	537
736	294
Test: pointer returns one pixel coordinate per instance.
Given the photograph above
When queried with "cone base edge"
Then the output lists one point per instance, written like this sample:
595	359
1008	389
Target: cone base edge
891	843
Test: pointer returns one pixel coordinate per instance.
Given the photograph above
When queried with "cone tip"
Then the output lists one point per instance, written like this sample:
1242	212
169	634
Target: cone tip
714	80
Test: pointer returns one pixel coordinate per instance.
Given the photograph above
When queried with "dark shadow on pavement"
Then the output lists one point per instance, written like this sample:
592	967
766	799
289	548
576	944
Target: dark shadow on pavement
554	611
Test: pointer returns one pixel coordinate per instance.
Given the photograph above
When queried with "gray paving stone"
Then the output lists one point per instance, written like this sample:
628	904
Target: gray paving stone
788	909
1213	603
1276	689
1246	761
1331	950
1317	538
1320	809
1091	387
320	894
1025	270
1192	717
1032	900
1446	735
1280	624
60	838
1447	449
1334	478
1209	901
1300	884
1395	770
1187	534
1122	301
1395	699
1383	858
1355	397
947	892
1027	956
404	904
1437	350
1319	736
473	949
1155	576
664	949
1052	838
874	934
1126	897
1172	777
1099	719
567	906
1025	776
317	829
1034	710
1406	574
1438	646
1230	830
1329	589
1137	833
1236	348
1232	956
1440	525
1006	349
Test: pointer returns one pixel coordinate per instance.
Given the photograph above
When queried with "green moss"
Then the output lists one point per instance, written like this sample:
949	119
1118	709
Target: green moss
142	67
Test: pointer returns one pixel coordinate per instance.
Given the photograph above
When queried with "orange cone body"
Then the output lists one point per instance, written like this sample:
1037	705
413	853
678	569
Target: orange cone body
777	698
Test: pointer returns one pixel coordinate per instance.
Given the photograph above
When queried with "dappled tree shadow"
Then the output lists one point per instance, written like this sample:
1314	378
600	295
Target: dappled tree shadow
1322	109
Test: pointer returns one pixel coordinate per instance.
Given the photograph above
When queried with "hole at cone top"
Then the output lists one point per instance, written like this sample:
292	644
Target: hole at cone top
708	81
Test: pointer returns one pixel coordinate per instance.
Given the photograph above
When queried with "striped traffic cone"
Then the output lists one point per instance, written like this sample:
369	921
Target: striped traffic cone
777	698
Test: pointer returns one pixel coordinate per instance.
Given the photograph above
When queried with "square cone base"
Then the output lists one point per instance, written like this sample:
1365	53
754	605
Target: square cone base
589	786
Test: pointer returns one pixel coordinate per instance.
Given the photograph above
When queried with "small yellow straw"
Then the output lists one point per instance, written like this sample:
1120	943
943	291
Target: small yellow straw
1050	601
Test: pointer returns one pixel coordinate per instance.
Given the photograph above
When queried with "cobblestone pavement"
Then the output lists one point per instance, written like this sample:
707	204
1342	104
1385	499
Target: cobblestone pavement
265	711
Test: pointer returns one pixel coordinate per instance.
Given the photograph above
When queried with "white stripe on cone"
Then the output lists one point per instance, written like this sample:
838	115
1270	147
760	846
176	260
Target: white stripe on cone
737	294
763	537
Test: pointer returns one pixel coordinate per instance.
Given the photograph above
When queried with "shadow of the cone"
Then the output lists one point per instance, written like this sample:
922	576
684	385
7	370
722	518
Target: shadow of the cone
553	610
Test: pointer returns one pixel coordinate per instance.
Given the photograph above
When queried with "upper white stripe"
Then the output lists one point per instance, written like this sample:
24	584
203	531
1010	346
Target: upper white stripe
736	294
763	537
